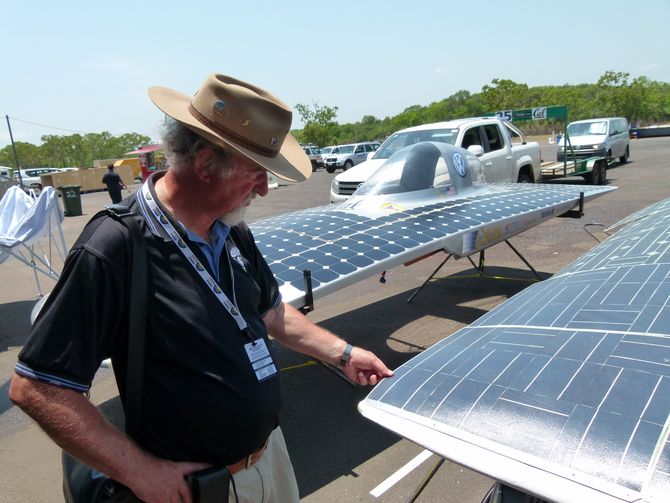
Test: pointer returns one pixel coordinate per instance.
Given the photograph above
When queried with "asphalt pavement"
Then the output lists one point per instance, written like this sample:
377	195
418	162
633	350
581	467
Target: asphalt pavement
338	455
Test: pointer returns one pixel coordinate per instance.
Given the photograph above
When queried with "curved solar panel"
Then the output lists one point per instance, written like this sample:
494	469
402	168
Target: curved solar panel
570	377
340	246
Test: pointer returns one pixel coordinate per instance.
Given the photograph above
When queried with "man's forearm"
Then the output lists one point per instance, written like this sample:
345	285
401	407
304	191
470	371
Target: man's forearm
78	427
294	330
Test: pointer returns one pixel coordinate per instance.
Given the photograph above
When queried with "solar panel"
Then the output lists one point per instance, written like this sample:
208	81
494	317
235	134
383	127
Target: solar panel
571	375
340	246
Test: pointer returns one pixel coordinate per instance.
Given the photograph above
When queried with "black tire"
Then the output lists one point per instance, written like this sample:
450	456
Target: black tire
598	175
314	166
330	169
624	158
524	178
348	164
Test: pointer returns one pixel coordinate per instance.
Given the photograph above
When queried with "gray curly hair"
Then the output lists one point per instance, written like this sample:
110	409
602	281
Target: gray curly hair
181	145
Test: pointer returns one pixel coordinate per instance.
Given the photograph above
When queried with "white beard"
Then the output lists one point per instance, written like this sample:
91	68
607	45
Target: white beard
234	217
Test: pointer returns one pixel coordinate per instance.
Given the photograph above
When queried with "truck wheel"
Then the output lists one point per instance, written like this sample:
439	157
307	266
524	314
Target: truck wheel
330	169
347	165
624	159
524	178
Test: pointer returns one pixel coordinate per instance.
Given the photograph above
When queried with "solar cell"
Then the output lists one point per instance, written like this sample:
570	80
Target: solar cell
316	239
571	376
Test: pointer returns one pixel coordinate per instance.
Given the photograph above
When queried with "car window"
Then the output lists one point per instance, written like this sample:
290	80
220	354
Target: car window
493	137
472	137
359	149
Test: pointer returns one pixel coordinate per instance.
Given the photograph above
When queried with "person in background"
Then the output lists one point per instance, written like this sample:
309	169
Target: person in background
114	184
211	389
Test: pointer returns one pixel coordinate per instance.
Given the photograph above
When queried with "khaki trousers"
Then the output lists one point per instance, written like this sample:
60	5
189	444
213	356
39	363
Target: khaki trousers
271	480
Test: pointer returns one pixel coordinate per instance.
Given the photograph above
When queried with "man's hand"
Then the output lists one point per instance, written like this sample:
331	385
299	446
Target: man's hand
365	368
164	481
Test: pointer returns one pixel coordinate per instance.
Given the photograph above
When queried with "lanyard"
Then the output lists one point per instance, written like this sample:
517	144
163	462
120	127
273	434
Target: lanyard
195	263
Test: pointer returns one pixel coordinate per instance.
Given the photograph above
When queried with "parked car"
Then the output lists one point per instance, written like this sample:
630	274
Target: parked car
314	154
606	137
503	151
347	156
31	177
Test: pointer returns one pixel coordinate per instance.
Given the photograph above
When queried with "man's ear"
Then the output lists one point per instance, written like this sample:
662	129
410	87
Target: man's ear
201	163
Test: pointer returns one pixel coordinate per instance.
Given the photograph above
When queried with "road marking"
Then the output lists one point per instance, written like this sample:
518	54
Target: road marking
400	474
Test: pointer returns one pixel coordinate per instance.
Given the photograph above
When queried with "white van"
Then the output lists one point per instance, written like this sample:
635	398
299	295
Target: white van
606	137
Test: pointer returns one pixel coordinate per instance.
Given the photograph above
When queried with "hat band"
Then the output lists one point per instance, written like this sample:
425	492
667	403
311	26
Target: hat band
224	132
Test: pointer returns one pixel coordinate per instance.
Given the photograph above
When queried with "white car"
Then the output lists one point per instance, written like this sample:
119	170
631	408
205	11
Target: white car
606	137
348	156
31	177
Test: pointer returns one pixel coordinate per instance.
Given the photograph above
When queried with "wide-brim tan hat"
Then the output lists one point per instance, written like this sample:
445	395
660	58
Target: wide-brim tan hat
240	117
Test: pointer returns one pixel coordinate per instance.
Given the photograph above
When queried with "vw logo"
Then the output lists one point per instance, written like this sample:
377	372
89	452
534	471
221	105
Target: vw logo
459	164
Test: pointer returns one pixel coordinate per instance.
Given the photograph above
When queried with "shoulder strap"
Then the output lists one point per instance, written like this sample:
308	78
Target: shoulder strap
136	316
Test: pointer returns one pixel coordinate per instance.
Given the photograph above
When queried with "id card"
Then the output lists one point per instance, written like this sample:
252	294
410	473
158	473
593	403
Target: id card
260	359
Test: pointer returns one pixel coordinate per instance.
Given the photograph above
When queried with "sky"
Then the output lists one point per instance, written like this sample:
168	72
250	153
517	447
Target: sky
85	67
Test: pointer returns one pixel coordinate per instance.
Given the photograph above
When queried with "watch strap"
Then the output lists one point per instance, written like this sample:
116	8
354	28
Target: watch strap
346	356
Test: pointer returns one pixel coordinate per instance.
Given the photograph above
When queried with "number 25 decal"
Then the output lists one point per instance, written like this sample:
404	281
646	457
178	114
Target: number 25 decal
505	115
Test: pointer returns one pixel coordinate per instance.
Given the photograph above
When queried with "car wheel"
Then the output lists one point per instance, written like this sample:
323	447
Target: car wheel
524	178
330	169
313	166
348	165
624	158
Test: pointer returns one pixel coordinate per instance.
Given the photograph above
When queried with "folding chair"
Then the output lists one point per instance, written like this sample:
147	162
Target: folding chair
26	222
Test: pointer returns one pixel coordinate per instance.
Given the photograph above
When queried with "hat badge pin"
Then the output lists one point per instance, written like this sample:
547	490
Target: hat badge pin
220	106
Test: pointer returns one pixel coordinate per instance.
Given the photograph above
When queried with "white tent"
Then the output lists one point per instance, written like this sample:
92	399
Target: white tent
30	230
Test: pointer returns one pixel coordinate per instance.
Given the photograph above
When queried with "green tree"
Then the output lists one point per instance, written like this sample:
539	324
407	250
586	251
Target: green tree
505	94
319	123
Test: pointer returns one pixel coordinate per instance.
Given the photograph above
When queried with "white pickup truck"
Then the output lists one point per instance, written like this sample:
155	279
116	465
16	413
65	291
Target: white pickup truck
501	147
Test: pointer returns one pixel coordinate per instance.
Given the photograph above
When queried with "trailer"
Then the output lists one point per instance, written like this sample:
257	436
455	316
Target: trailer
592	169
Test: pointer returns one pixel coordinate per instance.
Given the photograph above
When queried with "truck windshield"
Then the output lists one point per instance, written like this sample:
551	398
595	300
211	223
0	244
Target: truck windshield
587	128
400	140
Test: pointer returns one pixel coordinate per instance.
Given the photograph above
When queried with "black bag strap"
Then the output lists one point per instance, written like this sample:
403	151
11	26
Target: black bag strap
136	316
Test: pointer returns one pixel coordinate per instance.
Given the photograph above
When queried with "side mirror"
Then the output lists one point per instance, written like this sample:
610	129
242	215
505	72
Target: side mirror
477	150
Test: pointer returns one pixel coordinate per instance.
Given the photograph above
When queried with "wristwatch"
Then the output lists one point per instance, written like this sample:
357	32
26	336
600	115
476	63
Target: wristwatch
346	356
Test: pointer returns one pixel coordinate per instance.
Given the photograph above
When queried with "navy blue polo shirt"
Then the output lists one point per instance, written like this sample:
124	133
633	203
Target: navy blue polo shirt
201	399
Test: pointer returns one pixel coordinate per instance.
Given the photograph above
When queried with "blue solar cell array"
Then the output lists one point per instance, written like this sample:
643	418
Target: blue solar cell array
574	370
333	243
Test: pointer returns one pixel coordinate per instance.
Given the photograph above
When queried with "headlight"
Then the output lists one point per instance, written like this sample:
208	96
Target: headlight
335	186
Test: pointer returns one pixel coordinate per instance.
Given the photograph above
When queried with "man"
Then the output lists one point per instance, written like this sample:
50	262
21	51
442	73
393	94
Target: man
114	184
204	402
